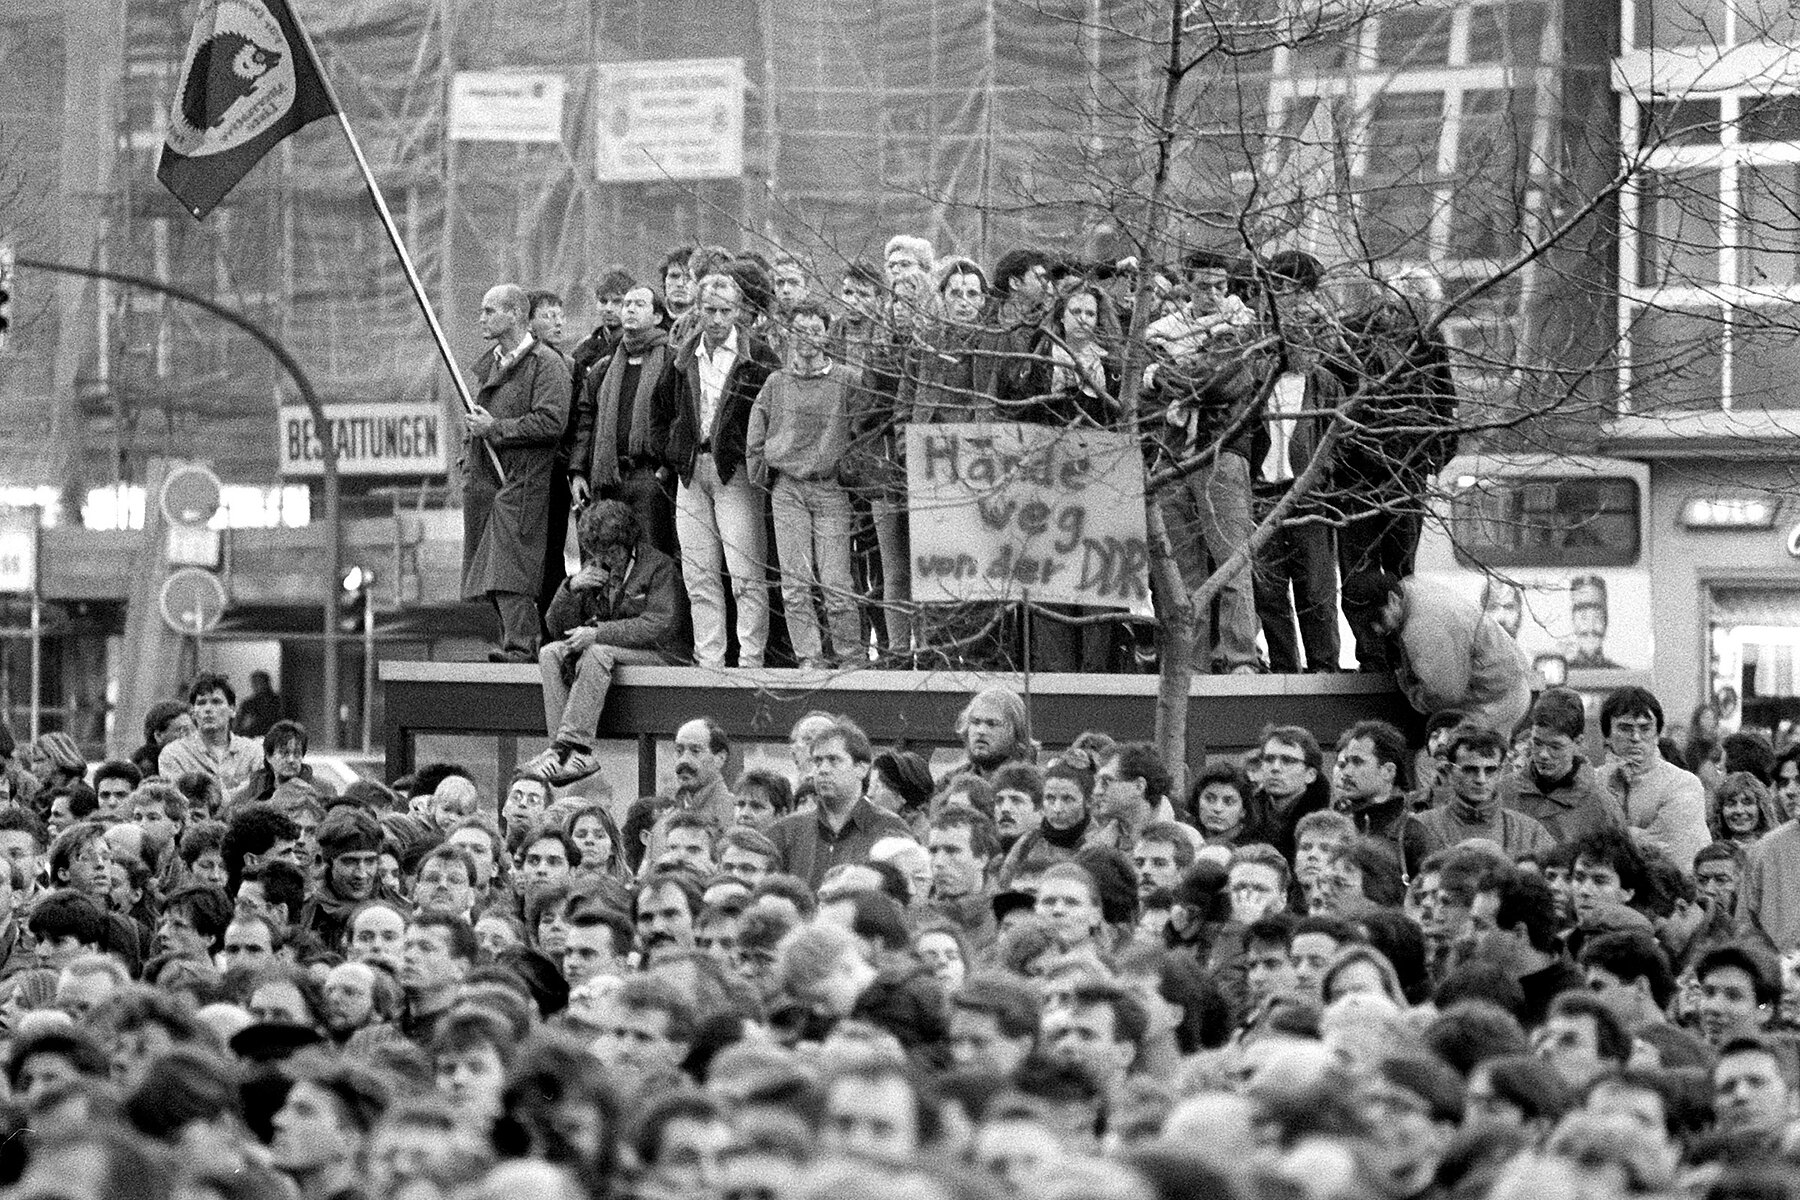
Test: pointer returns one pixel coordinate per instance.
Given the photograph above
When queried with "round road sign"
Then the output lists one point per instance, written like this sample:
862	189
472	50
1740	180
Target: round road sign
192	601
190	495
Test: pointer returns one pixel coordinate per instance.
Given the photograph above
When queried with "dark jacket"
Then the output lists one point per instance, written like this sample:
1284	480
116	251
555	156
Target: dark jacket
1570	809
1042	404
677	421
643	615
1323	393
940	384
1213	395
1007	360
1407	423
809	848
587	359
1391	822
600	464
1264	823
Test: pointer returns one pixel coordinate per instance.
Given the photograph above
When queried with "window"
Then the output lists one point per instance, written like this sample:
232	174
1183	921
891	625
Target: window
1414	37
1546	521
1434	114
1712	274
1436	118
1668	24
1678	359
1678	231
1679	122
1507	32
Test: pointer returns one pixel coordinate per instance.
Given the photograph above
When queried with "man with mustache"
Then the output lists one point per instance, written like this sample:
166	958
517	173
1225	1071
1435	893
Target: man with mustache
664	912
701	751
1018	802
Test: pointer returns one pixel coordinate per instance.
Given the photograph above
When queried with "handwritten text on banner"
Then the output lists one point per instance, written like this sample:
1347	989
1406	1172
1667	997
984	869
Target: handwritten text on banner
1001	510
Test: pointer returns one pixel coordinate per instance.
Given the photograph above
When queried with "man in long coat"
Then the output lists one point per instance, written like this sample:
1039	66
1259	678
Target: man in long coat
519	413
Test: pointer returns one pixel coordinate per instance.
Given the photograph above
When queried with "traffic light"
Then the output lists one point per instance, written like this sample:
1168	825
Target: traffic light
355	601
6	292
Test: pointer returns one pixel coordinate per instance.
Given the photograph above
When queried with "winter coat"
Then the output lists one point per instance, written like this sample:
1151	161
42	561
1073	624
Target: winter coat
1453	655
505	526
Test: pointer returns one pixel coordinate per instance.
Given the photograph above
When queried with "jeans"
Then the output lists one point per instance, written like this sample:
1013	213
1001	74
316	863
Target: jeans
572	710
720	527
892	536
1208	515
812	544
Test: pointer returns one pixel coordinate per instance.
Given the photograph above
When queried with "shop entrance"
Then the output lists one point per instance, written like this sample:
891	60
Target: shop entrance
1754	674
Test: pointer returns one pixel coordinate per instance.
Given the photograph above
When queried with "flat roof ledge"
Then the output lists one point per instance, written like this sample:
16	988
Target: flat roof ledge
1719	432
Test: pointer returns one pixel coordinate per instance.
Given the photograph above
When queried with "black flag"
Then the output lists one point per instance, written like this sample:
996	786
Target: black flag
248	81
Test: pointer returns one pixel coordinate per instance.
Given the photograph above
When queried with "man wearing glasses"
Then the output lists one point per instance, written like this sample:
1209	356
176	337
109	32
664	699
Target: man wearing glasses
1557	787
1666	804
1477	765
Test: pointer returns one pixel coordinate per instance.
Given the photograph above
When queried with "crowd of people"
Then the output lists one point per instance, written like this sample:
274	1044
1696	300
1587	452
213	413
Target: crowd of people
1507	963
752	416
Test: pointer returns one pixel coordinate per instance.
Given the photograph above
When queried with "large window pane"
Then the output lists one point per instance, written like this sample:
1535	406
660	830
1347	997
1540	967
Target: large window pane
1767	21
1765	357
1769	225
1769	119
1678	229
1414	37
1493	149
1508	33
1665	23
1675	361
1397	187
1679	123
1404	128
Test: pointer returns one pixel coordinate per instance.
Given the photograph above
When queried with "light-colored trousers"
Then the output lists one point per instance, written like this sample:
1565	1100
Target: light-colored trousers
812	544
720	528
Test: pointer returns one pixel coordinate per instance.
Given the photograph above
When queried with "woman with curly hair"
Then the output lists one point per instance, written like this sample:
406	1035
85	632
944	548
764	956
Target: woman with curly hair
55	760
1741	810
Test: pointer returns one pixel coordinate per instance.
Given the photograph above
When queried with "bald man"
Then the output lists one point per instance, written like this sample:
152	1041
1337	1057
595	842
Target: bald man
519	414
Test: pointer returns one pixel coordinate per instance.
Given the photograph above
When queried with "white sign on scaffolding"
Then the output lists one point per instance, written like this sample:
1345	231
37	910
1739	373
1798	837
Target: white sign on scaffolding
494	106
674	119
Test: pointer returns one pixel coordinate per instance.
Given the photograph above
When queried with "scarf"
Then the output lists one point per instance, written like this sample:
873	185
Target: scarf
1066	839
654	346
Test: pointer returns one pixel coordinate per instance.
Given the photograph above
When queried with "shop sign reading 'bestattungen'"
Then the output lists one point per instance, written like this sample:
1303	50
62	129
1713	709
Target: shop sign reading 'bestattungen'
371	439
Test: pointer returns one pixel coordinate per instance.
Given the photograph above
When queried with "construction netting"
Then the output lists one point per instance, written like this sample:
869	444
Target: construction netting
981	124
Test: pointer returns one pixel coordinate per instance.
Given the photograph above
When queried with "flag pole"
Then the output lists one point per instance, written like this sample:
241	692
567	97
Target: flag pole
393	233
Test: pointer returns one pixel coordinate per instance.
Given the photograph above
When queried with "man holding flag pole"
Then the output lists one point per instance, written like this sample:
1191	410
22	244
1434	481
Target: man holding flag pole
250	78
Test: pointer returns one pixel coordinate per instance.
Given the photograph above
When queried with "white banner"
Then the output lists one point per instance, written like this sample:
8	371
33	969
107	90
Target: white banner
490	106
675	119
371	439
1005	511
